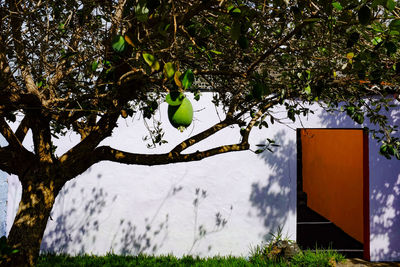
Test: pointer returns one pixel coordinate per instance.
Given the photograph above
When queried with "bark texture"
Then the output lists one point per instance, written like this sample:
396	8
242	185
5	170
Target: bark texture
38	195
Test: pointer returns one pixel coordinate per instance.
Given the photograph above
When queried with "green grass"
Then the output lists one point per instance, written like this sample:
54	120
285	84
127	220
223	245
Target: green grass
307	258
140	260
261	255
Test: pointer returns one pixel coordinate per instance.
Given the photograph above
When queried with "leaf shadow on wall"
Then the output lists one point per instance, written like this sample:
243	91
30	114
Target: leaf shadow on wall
384	189
273	196
76	229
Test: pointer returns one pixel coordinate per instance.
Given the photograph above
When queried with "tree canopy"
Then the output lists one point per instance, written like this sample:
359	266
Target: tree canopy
81	65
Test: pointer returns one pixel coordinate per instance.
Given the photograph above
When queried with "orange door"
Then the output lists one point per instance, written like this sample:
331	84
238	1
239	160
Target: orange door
335	177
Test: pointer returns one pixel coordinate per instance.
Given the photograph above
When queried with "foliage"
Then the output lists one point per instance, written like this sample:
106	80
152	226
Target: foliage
89	59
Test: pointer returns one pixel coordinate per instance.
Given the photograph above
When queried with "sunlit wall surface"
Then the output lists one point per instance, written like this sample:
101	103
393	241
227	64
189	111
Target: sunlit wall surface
223	205
3	195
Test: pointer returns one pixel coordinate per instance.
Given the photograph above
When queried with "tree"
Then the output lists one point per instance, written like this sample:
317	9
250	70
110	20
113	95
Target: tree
80	65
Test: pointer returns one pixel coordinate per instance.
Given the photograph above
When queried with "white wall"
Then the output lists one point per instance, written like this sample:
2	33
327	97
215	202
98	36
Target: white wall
3	195
131	209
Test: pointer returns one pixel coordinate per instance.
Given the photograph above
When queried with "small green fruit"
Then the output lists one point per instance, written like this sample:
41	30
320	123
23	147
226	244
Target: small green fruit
181	116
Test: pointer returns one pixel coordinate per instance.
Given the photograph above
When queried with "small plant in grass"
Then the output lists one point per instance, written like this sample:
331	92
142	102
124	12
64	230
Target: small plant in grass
318	257
279	249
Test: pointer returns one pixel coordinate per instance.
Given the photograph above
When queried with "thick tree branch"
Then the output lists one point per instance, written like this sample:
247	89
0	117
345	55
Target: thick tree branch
9	135
108	153
7	160
12	155
102	130
41	137
203	135
22	129
11	101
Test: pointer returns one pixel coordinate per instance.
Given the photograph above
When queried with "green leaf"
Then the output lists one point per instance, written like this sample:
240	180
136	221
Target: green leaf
61	27
259	151
235	31
216	52
174	98
141	11
307	90
391	150
350	55
395	25
377	40
150	59
390	5
291	114
364	15
95	64
236	10
188	79
39	84
337	6
169	70
197	95
118	43
359	118
156	65
350	110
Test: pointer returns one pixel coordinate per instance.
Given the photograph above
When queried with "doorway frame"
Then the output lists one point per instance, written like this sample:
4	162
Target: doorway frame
366	217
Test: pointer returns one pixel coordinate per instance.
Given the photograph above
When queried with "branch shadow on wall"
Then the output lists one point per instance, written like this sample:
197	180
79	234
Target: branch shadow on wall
272	196
73	226
75	229
384	190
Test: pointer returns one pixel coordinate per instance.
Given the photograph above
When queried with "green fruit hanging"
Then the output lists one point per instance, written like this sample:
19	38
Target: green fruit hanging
181	116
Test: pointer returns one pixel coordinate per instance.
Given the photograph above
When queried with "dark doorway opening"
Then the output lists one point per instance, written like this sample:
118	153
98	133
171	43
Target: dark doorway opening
333	190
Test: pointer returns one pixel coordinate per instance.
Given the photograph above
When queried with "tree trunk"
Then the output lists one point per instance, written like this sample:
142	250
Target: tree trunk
38	196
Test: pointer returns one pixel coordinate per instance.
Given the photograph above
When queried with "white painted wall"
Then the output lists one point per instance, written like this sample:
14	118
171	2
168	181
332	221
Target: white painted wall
3	195
130	209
